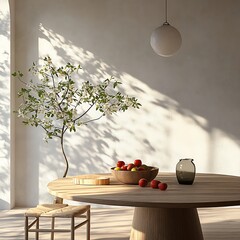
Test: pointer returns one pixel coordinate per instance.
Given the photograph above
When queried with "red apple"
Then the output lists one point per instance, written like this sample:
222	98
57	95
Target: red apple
142	182
137	162
130	166
154	183
120	163
124	167
162	186
141	169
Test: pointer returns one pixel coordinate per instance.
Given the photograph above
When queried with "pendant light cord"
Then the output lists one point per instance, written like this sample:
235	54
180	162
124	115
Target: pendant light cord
166	11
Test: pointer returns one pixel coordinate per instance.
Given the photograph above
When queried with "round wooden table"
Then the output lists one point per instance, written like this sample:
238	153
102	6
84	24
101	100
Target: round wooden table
158	215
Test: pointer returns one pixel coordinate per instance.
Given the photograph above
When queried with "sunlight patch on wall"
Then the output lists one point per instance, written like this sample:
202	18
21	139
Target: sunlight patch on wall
5	198
225	153
4	78
160	132
62	50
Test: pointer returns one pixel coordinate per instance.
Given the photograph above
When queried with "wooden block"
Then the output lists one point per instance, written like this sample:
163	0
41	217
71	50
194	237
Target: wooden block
91	181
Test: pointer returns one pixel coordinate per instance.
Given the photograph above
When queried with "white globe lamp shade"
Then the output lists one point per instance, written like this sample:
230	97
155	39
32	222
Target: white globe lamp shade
166	40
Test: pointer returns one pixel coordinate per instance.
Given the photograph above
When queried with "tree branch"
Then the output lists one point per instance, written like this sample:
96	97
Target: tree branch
84	113
94	119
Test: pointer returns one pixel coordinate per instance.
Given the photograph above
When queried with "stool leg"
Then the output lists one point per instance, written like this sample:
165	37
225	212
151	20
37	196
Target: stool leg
52	227
37	227
26	228
88	225
72	228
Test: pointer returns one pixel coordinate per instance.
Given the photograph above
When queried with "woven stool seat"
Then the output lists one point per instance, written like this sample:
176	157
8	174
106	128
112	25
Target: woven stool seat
57	211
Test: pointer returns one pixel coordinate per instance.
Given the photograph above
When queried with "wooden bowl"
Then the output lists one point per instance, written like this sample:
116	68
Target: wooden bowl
132	177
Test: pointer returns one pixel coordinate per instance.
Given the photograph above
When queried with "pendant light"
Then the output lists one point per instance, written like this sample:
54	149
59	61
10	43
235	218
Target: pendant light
166	39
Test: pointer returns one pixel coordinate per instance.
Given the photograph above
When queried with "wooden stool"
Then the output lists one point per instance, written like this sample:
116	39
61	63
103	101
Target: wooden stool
57	211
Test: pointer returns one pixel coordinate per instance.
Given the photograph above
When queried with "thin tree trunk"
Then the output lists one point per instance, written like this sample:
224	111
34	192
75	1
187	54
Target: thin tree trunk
58	199
65	157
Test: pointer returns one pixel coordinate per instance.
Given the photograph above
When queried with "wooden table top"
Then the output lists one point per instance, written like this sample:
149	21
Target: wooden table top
208	190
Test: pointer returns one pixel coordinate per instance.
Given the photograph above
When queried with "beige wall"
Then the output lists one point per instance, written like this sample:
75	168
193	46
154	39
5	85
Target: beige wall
190	102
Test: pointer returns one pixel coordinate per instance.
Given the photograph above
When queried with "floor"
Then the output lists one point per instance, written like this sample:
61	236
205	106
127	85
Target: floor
114	224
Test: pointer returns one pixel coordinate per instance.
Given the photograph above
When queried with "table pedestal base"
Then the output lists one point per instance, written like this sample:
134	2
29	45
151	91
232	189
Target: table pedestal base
166	224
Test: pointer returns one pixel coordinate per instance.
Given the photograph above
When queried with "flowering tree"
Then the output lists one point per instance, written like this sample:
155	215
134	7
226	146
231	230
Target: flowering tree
57	102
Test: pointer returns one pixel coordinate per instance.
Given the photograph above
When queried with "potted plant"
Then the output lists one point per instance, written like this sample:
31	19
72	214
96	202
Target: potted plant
58	101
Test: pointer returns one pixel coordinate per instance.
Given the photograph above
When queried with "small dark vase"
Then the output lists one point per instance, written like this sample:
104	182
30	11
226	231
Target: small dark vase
185	171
